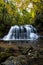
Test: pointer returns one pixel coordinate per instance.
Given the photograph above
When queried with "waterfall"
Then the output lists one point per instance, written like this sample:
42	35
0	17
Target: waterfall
24	32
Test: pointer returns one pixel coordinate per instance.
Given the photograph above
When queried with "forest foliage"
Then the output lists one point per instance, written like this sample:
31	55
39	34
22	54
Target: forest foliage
20	12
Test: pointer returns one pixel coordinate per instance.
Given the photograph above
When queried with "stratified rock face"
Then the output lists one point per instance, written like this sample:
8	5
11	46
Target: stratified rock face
26	32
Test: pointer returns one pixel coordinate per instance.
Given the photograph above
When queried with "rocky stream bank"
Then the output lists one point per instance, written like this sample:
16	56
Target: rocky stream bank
20	55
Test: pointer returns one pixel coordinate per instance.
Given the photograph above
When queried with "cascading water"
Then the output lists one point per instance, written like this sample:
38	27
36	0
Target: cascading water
25	32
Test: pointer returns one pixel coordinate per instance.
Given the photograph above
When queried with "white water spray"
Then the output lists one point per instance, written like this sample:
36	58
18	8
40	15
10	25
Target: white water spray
25	32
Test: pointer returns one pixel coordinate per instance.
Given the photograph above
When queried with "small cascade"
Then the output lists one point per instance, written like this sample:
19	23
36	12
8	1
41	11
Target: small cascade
25	32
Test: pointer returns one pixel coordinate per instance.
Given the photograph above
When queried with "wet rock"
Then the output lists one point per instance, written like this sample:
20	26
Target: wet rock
4	56
23	60
9	61
2	49
25	50
25	56
20	60
9	50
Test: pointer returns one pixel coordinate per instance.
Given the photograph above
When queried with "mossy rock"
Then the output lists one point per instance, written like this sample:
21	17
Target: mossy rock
25	50
9	50
2	49
4	56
